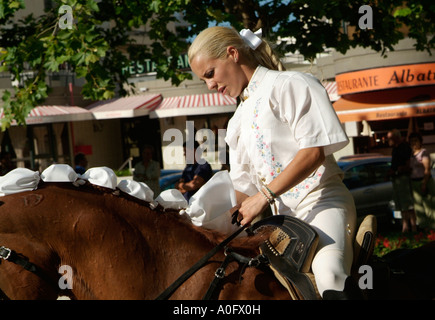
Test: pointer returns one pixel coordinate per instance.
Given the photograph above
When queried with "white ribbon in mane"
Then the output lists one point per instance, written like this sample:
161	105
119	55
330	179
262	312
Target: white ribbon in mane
172	199
136	189
101	176
253	39
59	173
208	208
19	180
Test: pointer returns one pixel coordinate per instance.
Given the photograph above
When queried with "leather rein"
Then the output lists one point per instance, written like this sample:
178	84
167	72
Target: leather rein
220	272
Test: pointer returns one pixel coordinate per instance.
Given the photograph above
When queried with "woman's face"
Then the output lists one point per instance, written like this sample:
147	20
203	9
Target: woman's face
224	75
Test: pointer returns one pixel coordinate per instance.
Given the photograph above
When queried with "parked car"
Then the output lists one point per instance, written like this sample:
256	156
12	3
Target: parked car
165	172
168	180
366	176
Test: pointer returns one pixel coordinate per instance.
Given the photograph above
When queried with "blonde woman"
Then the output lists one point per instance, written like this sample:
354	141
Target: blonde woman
281	139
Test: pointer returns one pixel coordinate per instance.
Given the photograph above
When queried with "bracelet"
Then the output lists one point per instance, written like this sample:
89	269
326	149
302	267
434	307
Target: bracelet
267	193
270	200
271	193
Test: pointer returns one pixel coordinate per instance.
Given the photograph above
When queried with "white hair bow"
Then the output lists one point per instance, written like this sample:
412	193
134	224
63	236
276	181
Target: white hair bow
251	38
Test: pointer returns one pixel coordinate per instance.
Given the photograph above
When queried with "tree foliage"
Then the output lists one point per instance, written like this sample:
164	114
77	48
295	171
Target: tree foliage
100	44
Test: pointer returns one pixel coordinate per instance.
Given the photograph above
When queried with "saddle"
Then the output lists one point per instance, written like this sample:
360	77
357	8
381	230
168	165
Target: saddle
291	246
288	252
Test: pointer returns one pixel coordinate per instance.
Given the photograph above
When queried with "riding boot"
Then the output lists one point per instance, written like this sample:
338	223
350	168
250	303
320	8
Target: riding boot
351	292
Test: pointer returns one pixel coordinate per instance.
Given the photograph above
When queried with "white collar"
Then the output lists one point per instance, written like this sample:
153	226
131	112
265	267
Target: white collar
254	83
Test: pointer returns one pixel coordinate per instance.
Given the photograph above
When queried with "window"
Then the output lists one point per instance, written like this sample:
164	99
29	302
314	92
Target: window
356	177
366	174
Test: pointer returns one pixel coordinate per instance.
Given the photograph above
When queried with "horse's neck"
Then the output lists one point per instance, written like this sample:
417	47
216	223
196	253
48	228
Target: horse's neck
171	233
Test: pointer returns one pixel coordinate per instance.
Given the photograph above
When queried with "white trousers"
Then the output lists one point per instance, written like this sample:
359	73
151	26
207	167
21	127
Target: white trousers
330	210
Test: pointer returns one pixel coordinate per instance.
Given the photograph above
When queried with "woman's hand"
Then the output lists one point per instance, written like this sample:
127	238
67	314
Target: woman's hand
305	163
250	208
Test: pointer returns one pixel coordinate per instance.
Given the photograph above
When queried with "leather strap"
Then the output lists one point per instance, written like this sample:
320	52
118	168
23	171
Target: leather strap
218	276
174	286
243	262
11	256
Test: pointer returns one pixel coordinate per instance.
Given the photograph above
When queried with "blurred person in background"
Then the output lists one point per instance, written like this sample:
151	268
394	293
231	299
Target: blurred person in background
195	174
148	170
81	163
423	186
6	163
400	174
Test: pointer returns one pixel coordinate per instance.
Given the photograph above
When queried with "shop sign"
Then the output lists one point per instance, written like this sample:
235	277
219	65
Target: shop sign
386	78
388	113
148	66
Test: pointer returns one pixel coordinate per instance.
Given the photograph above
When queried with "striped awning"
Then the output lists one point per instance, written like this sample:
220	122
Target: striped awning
196	104
125	107
51	114
331	88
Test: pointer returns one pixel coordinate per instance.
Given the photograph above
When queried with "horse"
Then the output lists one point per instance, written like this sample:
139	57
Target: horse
118	247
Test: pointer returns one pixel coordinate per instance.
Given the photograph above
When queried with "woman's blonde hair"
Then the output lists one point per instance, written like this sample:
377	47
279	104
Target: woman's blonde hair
214	41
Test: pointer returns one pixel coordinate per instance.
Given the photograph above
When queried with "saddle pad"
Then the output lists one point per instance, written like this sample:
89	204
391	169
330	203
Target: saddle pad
293	240
301	286
290	250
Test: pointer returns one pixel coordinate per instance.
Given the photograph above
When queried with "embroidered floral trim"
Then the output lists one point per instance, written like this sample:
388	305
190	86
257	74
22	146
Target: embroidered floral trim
306	184
249	90
275	167
263	146
253	85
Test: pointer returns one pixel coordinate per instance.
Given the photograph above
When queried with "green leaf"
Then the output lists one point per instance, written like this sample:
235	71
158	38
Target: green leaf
6	96
155	5
403	12
108	94
15	5
79	58
81	72
52	65
93	5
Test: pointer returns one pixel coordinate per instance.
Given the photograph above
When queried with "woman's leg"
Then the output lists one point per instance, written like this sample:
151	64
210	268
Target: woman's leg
332	262
333	215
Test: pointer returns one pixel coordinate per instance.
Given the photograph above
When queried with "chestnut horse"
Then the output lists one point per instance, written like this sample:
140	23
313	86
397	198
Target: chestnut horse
118	247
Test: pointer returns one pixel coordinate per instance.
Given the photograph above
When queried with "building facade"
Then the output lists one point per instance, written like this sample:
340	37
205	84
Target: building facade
378	94
371	94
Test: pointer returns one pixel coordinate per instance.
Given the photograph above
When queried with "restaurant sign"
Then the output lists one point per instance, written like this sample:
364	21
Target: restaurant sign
388	112
148	66
386	78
